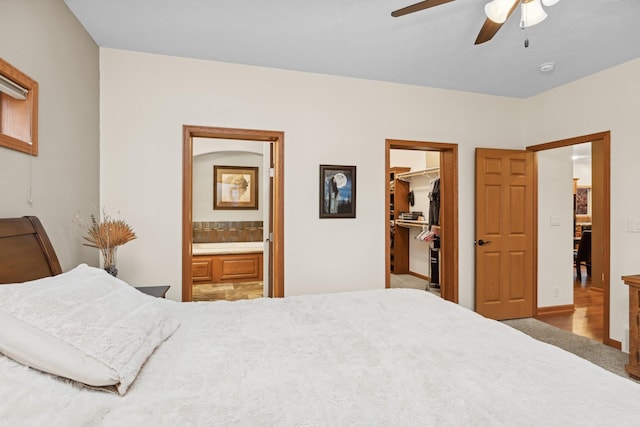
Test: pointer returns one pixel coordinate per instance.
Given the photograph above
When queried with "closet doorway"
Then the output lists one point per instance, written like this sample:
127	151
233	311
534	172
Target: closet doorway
447	159
274	240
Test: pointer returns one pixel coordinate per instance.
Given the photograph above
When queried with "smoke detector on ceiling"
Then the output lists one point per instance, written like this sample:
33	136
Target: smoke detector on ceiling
546	67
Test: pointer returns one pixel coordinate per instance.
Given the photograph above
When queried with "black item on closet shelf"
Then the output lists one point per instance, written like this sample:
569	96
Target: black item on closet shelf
412	200
434	203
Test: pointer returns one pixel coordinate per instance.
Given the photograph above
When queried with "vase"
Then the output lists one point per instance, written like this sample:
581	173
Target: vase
109	261
112	270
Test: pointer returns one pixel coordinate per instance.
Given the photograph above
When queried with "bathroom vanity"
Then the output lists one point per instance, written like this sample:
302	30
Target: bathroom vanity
227	262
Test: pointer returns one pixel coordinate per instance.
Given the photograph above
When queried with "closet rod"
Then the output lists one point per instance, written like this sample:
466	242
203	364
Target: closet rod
405	176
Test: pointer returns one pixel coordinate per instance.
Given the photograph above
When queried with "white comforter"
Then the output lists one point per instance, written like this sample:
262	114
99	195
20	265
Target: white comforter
388	357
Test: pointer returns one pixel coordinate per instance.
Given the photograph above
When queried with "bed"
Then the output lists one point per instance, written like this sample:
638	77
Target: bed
389	357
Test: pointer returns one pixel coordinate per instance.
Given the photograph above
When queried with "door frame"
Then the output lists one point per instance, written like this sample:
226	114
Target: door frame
277	204
601	193
448	216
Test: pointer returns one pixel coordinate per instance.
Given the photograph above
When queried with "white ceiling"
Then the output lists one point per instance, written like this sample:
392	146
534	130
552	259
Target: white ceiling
359	38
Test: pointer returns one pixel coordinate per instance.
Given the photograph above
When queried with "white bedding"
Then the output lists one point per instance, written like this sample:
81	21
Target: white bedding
389	357
84	325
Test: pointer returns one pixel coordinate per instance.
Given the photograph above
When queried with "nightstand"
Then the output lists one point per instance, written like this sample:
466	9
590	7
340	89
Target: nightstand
154	291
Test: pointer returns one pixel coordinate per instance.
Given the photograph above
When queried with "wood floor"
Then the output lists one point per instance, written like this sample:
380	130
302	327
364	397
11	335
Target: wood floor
587	318
227	291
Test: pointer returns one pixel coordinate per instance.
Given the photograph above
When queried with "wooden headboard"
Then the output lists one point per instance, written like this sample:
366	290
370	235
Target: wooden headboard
26	252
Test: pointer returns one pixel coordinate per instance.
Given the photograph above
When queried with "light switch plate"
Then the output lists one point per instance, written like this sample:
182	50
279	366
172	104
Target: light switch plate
633	225
554	220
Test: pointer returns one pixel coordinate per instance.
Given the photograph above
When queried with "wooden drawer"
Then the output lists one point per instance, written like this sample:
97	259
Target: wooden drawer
237	268
201	269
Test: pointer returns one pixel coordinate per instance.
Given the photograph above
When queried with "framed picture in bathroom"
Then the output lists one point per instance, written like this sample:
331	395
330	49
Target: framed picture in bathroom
235	187
337	191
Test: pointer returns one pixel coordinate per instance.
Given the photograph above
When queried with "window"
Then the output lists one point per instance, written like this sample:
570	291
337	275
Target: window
18	110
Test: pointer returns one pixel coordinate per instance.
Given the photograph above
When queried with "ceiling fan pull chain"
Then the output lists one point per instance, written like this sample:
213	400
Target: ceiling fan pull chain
523	20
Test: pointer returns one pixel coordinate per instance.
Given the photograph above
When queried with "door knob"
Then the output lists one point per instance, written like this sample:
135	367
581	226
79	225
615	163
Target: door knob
483	242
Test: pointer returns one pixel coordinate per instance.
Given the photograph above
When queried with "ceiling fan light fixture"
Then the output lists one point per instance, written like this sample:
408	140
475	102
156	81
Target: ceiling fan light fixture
549	2
498	10
532	13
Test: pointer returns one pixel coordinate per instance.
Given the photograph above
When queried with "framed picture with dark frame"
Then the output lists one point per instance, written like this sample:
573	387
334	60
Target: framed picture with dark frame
235	187
337	191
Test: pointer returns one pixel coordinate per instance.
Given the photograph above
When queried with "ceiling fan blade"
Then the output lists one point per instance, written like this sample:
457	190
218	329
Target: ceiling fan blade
418	6
490	28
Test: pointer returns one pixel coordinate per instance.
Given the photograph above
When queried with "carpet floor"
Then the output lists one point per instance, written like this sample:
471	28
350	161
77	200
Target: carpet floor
413	282
600	354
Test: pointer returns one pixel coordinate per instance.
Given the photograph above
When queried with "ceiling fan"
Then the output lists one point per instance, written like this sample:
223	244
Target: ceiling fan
497	11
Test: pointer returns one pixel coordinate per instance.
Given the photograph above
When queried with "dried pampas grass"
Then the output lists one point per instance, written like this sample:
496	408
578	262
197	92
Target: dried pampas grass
107	235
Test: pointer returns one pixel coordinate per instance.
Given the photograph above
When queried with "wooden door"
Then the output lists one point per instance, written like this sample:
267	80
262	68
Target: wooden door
504	250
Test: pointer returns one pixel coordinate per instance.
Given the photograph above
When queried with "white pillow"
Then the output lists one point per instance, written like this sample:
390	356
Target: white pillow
33	347
85	325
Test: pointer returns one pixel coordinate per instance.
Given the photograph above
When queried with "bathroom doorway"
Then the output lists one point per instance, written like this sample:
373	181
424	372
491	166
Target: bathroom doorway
234	243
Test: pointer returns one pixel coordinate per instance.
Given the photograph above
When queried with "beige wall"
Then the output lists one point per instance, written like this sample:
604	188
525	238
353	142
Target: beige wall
44	40
326	120
555	227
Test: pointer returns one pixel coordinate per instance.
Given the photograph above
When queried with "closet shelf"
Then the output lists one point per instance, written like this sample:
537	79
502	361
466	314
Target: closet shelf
407	223
411	223
406	176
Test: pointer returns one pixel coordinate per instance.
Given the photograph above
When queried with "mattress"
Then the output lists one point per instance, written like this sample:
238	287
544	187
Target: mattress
395	357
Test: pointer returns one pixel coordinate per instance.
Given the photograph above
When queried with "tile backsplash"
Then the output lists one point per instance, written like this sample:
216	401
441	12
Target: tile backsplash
227	231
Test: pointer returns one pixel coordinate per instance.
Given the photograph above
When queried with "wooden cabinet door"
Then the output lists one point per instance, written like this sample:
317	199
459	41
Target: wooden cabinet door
237	268
201	269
